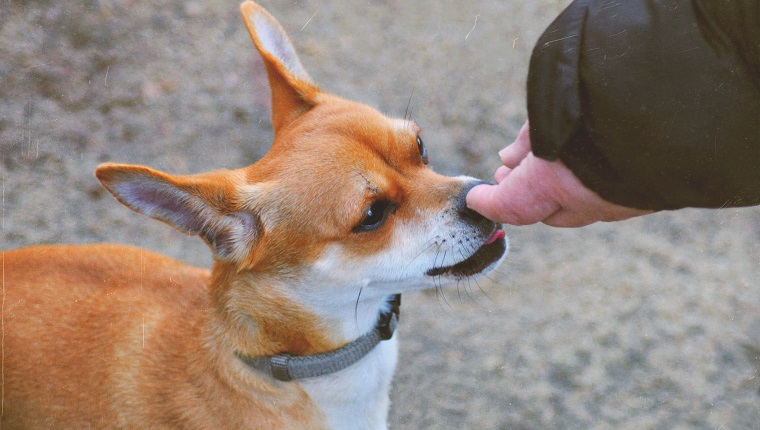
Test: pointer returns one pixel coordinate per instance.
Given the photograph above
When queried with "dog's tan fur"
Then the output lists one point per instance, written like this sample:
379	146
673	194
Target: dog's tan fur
100	337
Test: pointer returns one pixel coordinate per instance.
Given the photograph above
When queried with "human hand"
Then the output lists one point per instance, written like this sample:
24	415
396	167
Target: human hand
529	190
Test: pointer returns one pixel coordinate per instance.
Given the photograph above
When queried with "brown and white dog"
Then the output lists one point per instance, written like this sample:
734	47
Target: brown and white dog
309	243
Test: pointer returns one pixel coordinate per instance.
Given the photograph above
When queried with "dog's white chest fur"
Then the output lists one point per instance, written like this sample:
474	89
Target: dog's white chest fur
357	398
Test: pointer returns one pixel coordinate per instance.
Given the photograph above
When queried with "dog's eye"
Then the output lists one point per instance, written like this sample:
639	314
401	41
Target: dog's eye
375	216
423	150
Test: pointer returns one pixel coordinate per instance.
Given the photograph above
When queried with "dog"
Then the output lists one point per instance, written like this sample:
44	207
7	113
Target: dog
293	327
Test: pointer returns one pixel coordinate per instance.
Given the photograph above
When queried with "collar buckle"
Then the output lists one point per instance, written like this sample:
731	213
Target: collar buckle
388	320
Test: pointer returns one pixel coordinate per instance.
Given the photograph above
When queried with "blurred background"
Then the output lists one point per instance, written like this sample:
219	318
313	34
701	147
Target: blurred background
652	323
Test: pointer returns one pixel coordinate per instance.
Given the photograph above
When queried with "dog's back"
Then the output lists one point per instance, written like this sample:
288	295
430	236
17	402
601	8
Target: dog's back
71	312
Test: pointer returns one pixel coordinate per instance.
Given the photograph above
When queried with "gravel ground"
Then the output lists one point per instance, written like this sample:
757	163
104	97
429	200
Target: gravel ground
646	324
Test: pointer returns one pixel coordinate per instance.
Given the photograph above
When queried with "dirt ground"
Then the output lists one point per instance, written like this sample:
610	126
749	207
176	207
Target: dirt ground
652	323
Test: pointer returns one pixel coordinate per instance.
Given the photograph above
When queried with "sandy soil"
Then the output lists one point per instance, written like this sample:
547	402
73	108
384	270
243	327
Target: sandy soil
647	324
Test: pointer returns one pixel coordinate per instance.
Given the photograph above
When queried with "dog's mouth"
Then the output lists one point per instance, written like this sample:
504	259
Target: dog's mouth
491	250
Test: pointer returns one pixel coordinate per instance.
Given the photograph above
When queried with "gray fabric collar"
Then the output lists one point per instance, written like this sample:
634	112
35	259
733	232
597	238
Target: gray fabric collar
286	367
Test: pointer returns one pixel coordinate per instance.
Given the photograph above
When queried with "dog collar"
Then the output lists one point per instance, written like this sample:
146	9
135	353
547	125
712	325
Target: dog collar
286	367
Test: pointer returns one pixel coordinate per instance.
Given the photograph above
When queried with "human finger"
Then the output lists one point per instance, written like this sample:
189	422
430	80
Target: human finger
519	199
512	155
501	173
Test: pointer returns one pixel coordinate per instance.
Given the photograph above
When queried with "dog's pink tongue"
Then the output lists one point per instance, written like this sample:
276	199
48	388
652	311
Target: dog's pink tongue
498	234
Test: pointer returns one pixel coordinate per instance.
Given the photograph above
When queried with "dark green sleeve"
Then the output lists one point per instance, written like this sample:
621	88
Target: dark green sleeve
653	104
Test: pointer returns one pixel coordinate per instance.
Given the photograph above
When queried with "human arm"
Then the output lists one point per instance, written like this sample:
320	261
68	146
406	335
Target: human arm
652	105
643	108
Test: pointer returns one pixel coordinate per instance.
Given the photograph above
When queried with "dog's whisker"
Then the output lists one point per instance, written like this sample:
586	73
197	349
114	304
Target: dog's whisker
407	112
474	297
482	290
438	293
443	294
434	243
356	307
469	278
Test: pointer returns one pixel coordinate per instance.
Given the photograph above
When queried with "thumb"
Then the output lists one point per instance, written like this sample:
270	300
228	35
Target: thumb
481	199
499	203
521	198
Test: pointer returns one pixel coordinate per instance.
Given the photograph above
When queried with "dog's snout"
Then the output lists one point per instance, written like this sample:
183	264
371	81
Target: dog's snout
461	204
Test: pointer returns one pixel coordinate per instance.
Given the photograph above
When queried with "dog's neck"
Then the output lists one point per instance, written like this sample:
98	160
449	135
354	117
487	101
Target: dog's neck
267	315
264	316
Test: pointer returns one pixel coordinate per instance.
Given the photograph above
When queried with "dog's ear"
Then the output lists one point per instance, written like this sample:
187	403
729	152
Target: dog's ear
293	91
200	204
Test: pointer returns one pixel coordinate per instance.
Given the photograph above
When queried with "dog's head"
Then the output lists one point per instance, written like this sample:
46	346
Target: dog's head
344	198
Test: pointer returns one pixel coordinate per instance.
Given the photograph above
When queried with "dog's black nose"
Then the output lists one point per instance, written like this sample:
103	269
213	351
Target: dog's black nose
461	204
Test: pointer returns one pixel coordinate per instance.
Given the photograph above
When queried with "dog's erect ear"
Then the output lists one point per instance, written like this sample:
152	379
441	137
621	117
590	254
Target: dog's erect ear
293	91
199	204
